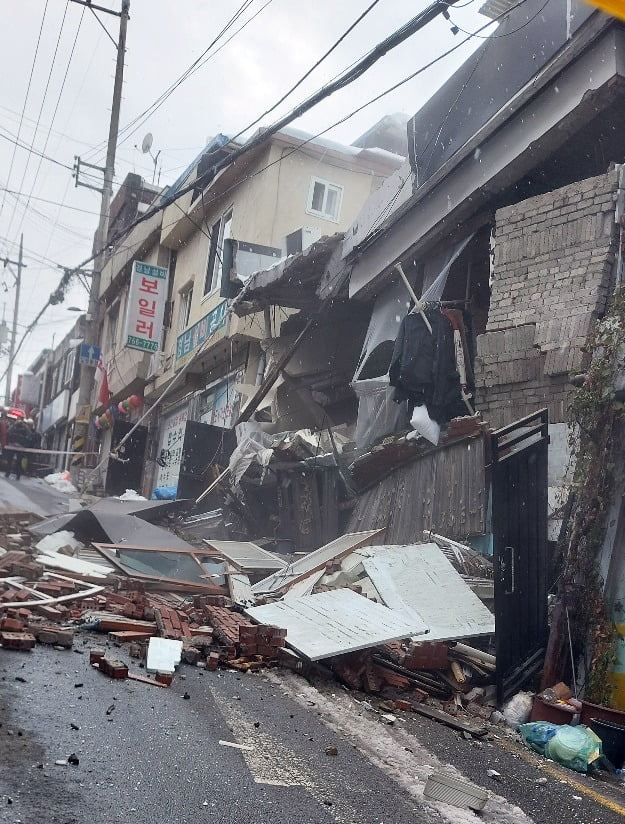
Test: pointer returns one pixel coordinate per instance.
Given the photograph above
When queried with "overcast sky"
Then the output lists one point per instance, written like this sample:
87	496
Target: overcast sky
70	97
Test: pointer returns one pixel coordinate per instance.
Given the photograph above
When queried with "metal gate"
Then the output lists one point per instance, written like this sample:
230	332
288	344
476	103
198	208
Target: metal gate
519	522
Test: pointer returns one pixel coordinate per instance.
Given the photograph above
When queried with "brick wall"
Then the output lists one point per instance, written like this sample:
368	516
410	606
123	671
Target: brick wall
552	276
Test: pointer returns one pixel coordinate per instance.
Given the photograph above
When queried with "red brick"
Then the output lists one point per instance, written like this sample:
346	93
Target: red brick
17	640
96	654
212	662
165	678
404	706
11	624
113	668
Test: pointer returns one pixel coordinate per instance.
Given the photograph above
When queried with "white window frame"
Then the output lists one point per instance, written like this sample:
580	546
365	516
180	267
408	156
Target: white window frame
185	295
215	264
323	213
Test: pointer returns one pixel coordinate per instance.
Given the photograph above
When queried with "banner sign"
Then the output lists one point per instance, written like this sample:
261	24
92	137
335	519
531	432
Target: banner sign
146	307
200	332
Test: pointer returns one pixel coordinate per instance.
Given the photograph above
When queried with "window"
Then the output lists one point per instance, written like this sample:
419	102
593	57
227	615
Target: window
70	365
220	405
113	317
184	312
220	231
324	199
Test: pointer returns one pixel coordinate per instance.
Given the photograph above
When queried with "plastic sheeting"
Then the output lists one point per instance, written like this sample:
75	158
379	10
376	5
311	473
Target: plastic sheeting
378	415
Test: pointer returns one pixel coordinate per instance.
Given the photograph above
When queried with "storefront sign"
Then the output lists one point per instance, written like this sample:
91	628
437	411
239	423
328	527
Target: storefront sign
170	453
200	332
146	307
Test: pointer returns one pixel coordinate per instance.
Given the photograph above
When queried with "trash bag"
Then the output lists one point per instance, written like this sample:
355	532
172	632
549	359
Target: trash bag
577	748
165	493
518	709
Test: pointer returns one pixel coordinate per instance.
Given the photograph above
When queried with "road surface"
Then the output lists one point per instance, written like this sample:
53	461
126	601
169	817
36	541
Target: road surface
149	754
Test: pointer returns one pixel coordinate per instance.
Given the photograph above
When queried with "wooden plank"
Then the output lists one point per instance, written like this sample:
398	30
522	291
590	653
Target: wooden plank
142	679
450	721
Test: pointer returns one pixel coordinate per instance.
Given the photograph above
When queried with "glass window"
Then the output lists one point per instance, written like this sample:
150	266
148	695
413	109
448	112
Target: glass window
324	199
220	232
186	299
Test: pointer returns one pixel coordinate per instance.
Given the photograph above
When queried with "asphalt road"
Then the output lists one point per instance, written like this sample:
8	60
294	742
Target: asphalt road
149	754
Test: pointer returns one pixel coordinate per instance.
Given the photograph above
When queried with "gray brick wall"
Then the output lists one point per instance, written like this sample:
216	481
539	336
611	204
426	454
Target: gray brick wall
552	276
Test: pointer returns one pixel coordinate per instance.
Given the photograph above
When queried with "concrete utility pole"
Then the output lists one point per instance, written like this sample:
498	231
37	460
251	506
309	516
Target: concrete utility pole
92	325
16	310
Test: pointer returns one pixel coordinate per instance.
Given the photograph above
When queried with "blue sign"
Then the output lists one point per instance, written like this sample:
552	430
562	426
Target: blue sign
201	331
89	354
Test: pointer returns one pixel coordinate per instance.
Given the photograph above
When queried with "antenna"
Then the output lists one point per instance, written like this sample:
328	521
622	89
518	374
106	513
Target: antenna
146	146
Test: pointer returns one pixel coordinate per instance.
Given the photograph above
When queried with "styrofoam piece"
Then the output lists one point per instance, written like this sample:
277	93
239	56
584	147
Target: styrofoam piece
455	791
51	544
74	565
164	655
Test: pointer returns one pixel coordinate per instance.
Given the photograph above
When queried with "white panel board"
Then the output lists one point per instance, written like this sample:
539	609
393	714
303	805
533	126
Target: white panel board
246	555
419	581
336	622
316	560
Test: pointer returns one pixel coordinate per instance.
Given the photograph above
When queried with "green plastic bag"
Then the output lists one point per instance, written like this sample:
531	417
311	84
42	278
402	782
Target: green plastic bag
577	748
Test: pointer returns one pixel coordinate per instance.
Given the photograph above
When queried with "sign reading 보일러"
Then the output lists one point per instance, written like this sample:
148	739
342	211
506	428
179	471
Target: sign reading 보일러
146	307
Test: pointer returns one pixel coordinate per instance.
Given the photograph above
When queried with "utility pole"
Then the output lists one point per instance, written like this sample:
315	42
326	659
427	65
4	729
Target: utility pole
16	310
92	326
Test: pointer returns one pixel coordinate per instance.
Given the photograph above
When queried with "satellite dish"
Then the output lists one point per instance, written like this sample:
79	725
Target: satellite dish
147	143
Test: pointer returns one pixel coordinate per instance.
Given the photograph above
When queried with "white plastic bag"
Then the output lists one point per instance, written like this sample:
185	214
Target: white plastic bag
424	425
518	709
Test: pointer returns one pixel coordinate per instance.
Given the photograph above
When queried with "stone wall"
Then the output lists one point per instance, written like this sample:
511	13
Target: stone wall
552	276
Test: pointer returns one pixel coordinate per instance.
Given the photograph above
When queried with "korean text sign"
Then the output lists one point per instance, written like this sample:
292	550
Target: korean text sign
146	307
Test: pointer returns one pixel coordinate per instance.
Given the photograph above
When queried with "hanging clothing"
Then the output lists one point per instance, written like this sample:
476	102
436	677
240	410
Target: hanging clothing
423	367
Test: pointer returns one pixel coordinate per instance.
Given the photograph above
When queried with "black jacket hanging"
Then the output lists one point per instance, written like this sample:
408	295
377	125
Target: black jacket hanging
423	366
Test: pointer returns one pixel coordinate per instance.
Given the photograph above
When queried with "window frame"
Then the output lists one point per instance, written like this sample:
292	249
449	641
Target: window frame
212	278
322	213
185	302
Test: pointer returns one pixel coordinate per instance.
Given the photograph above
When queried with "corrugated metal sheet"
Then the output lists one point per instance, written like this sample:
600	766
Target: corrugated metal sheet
419	581
336	622
443	491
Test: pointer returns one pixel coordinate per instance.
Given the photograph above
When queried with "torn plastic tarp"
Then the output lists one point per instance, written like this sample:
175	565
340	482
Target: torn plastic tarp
254	445
378	414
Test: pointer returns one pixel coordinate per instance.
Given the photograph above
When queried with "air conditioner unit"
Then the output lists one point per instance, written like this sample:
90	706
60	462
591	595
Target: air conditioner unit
301	239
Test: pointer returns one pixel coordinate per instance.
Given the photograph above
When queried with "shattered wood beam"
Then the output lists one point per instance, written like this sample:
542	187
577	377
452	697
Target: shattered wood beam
272	376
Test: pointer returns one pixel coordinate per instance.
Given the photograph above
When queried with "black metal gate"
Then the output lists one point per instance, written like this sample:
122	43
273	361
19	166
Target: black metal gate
519	519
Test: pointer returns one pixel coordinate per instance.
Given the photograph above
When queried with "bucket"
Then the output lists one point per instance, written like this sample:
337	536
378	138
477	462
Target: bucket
613	739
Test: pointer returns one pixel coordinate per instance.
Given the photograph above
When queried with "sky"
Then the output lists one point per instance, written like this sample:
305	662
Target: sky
58	65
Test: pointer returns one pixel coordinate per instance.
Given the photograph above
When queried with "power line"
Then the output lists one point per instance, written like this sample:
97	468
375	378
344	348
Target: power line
43	101
198	63
348	77
56	108
50	202
310	71
30	78
167	202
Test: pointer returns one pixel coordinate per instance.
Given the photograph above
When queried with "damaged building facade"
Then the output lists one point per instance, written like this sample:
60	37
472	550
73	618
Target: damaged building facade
509	211
286	393
283	197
